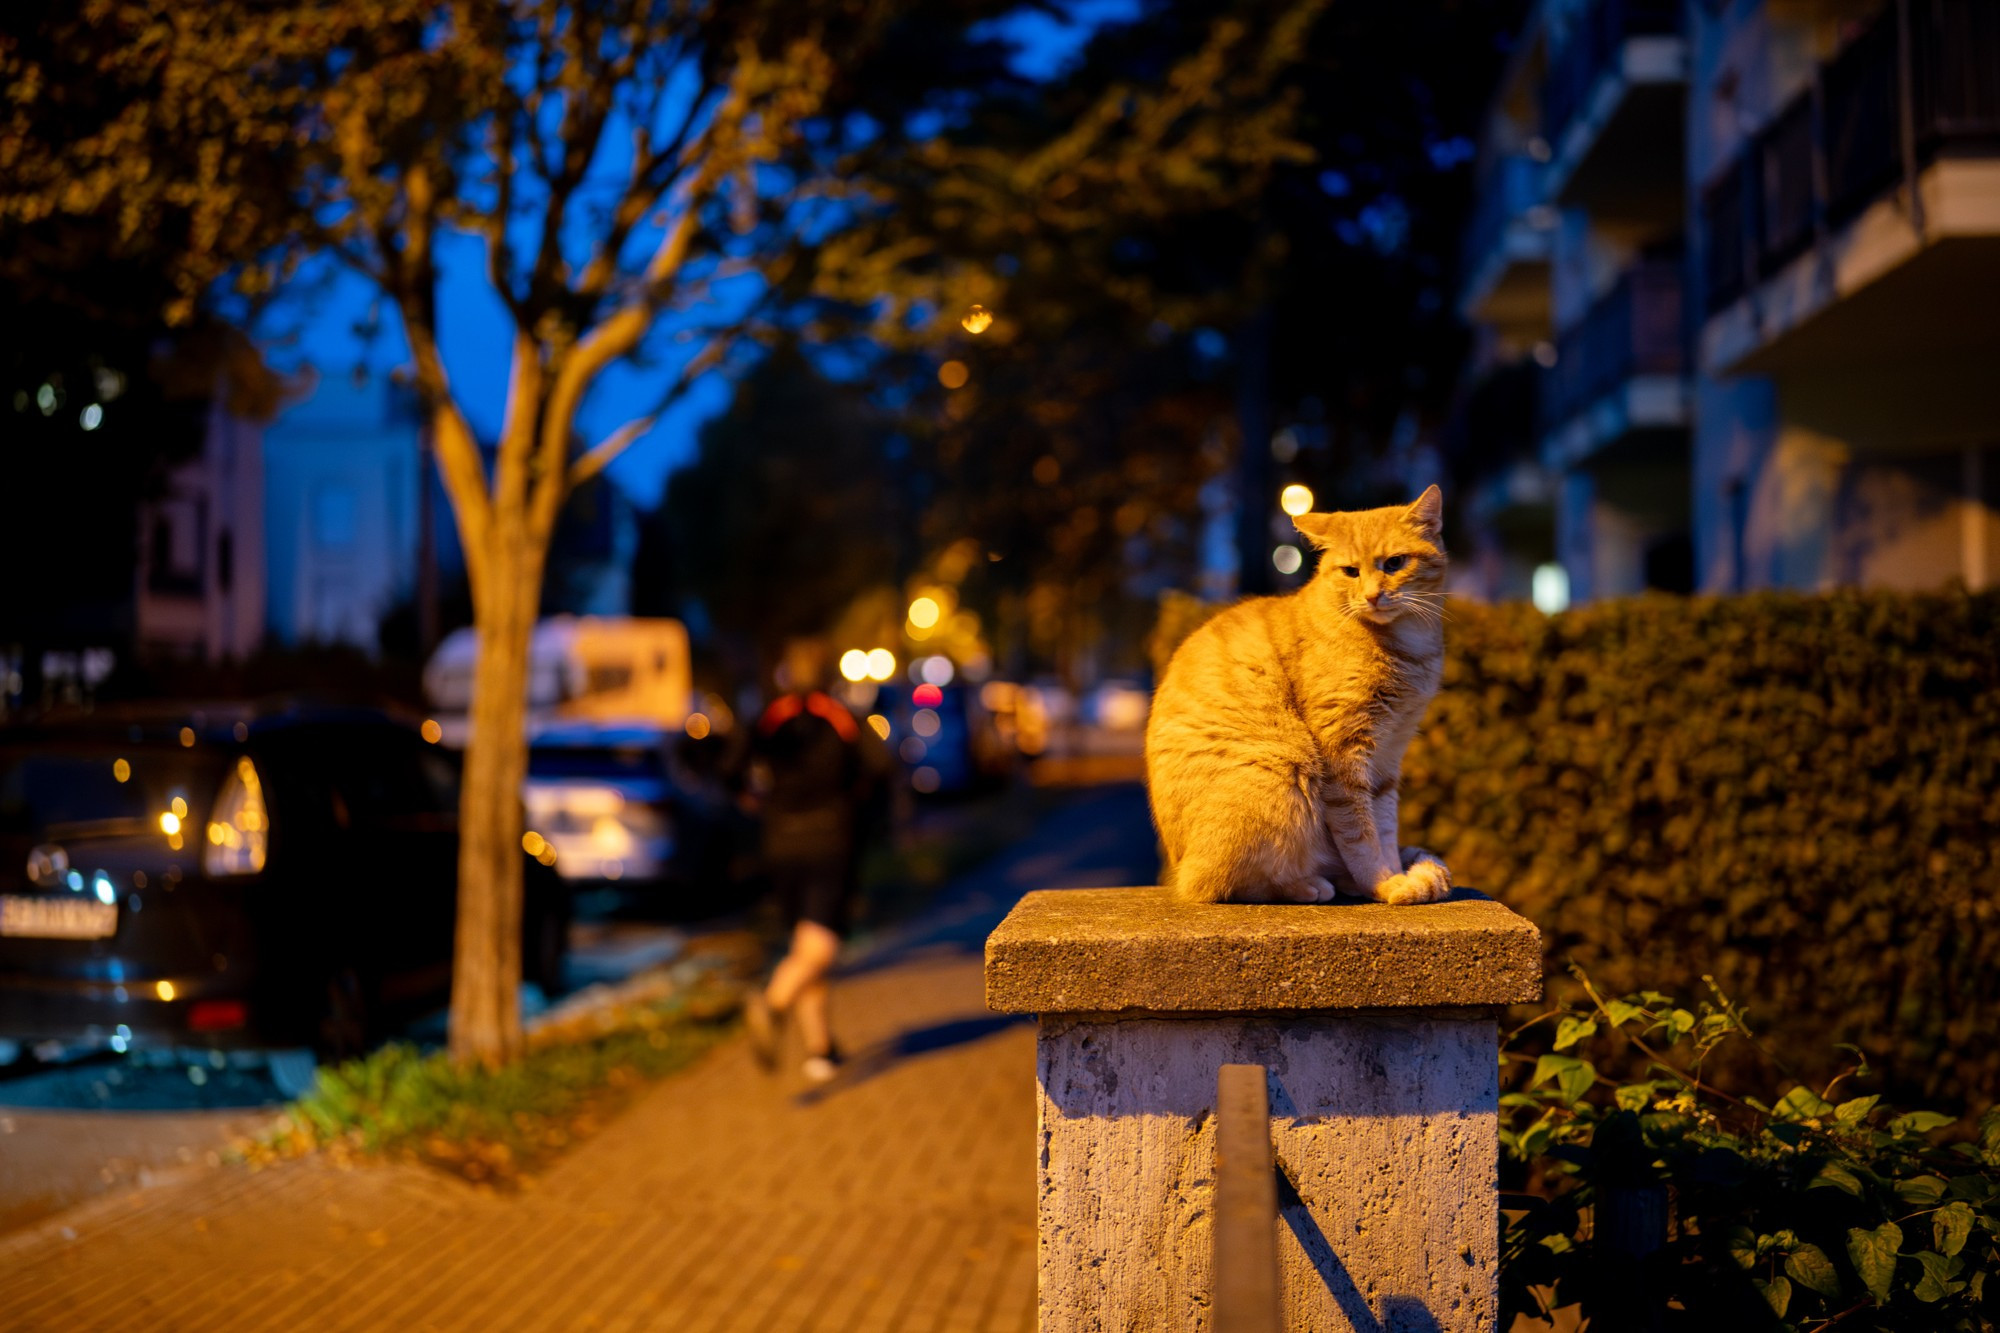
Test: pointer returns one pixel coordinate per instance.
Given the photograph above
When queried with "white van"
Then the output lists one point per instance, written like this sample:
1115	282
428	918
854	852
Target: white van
580	668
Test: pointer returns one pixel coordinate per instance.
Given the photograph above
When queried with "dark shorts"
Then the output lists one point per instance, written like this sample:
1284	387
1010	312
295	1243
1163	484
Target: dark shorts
821	893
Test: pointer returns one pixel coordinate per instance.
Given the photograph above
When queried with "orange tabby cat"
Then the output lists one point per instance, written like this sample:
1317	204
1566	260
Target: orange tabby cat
1278	730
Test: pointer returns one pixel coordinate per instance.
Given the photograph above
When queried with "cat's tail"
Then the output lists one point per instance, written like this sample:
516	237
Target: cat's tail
1196	881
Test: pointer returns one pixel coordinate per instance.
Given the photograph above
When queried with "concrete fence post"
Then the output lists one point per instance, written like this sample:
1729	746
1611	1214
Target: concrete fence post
1378	1026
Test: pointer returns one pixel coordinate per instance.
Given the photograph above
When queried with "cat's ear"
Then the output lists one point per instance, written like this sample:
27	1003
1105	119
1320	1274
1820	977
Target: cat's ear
1317	528
1428	512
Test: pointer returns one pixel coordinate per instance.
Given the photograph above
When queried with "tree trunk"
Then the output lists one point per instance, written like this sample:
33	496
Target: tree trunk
486	975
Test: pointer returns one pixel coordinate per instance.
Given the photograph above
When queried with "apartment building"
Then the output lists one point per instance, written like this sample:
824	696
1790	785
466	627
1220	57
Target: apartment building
1745	256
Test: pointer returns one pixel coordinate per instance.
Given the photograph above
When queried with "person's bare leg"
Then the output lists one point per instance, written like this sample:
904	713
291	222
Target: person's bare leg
803	970
810	1009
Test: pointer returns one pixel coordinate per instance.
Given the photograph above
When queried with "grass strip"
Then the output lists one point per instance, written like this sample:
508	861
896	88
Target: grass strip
492	1126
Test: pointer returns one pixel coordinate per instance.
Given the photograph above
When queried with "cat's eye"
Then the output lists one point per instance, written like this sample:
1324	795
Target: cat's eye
1394	563
1352	571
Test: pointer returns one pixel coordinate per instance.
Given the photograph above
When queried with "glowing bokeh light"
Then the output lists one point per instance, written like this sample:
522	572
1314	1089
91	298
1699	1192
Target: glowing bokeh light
937	670
954	374
881	664
1287	559
431	731
927	696
1296	500
854	665
879	725
165	990
977	320
924	612
170	823
121	770
697	726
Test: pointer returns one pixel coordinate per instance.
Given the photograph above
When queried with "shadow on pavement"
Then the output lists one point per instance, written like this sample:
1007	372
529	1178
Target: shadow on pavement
884	1056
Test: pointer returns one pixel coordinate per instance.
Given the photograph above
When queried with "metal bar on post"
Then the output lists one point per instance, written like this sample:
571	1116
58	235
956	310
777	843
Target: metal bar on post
1246	1205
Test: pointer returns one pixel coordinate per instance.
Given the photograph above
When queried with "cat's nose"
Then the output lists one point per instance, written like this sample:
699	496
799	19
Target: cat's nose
1374	599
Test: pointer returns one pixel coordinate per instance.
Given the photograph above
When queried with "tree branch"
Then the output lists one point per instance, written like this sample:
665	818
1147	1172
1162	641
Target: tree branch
594	459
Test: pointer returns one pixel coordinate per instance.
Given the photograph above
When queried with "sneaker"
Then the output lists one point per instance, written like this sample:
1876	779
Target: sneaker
821	1068
760	1020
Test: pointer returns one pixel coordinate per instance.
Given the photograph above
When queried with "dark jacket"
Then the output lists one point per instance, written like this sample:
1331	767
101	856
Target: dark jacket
827	775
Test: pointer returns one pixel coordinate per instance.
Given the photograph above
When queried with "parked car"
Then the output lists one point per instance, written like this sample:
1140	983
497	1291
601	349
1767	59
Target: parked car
934	730
268	876
600	797
645	808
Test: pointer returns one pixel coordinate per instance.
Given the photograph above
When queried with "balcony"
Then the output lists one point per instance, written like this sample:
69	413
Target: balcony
1613	107
1620	377
1867	213
1506	259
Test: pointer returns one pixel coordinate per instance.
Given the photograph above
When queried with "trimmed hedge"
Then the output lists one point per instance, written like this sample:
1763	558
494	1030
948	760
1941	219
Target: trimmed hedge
1797	794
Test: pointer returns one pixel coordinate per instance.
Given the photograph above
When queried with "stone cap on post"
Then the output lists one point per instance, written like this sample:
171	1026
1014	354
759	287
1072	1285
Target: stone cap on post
1143	950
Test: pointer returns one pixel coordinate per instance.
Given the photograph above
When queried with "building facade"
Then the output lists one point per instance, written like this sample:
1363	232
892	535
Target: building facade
344	485
200	593
1752	250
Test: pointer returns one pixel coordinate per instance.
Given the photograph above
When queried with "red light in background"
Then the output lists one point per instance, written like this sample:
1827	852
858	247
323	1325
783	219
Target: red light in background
927	696
215	1015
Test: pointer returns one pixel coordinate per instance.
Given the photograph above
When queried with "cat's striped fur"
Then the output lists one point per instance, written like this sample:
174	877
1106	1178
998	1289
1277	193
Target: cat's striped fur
1278	730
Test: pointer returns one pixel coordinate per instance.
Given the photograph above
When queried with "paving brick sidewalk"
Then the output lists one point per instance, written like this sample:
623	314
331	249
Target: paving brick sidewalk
901	1198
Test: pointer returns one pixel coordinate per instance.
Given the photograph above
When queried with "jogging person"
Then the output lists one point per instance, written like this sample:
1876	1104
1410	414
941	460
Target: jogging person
822	776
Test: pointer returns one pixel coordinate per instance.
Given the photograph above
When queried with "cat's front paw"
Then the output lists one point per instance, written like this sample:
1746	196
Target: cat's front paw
1311	889
1425	881
1415	856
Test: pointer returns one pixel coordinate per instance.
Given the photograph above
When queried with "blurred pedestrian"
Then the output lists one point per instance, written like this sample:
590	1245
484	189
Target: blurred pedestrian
822	778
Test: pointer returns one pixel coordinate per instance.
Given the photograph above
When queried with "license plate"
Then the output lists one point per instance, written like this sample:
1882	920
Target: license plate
57	918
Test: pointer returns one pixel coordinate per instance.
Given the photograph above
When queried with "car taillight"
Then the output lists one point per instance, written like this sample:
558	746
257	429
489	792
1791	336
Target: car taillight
217	1015
239	828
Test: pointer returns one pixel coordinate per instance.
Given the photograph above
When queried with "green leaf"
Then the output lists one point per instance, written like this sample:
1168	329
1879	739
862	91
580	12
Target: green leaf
1802	1103
1809	1267
1874	1257
1573	1030
1951	1226
1576	1082
1936	1283
1742	1245
1620	1013
1918	1122
1517	1100
1636	1096
1536	1141
1920	1190
1552	1066
1833	1175
1855	1110
1778	1293
1679	1023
